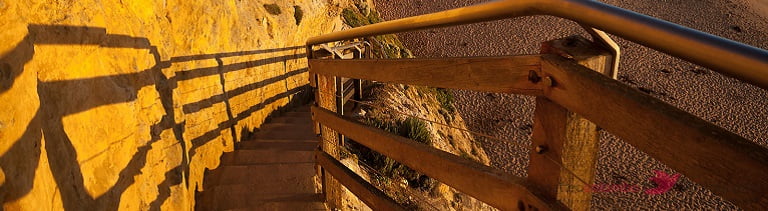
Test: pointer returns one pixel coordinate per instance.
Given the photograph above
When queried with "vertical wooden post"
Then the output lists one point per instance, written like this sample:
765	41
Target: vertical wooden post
315	125
330	139
313	83
565	145
325	86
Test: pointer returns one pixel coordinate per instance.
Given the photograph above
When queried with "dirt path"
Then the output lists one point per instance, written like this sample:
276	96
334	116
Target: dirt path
736	106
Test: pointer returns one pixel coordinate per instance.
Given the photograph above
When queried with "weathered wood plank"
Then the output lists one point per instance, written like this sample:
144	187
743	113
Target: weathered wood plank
370	195
332	190
487	184
565	137
725	163
508	74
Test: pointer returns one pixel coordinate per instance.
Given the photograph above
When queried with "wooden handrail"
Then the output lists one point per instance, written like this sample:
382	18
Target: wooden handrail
723	162
484	183
370	195
507	74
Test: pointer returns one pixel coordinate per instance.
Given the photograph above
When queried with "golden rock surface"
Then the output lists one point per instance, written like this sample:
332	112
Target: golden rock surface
114	104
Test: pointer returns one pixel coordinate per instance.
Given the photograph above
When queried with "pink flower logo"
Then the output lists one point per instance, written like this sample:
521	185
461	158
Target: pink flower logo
664	182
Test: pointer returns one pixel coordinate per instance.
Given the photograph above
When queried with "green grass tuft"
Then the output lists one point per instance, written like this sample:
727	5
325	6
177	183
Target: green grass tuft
445	97
415	129
353	18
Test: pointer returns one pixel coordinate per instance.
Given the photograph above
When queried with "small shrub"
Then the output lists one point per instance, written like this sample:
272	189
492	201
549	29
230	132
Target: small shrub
353	18
386	126
415	129
445	98
412	128
298	14
272	9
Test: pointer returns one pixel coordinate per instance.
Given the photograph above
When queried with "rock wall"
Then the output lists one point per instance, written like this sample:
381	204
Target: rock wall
112	104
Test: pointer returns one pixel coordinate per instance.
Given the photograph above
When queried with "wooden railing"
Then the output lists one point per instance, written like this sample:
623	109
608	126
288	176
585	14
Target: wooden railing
574	96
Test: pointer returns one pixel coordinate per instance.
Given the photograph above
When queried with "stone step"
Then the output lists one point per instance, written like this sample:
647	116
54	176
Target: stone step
315	139
248	157
273	206
297	145
289	133
274	170
305	114
292	120
260	191
277	173
302	109
248	197
286	127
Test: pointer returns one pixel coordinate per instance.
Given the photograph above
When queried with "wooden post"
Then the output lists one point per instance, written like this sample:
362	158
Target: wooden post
329	139
565	145
325	86
313	82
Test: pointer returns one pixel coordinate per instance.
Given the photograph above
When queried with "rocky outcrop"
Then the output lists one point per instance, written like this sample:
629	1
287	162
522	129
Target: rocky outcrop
425	115
433	107
124	104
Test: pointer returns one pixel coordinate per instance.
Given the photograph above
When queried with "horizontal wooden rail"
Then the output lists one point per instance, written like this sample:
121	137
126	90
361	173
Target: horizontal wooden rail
508	74
370	195
486	184
725	163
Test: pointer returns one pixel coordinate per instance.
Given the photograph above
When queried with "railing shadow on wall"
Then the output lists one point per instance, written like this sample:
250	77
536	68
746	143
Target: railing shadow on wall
21	160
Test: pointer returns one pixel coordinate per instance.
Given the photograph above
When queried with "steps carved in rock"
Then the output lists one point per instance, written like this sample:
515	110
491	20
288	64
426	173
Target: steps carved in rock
274	170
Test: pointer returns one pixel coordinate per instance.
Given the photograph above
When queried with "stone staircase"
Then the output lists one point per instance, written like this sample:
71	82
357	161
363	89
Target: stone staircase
273	171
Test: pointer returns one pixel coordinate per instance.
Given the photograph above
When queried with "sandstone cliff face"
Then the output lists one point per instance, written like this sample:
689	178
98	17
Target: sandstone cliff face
110	104
425	104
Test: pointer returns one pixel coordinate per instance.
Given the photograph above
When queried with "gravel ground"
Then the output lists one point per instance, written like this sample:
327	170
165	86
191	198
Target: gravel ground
738	107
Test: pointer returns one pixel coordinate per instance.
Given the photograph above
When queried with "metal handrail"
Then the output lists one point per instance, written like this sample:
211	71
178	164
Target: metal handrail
744	62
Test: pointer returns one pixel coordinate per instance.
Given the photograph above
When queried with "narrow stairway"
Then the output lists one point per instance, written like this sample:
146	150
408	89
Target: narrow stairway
273	171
